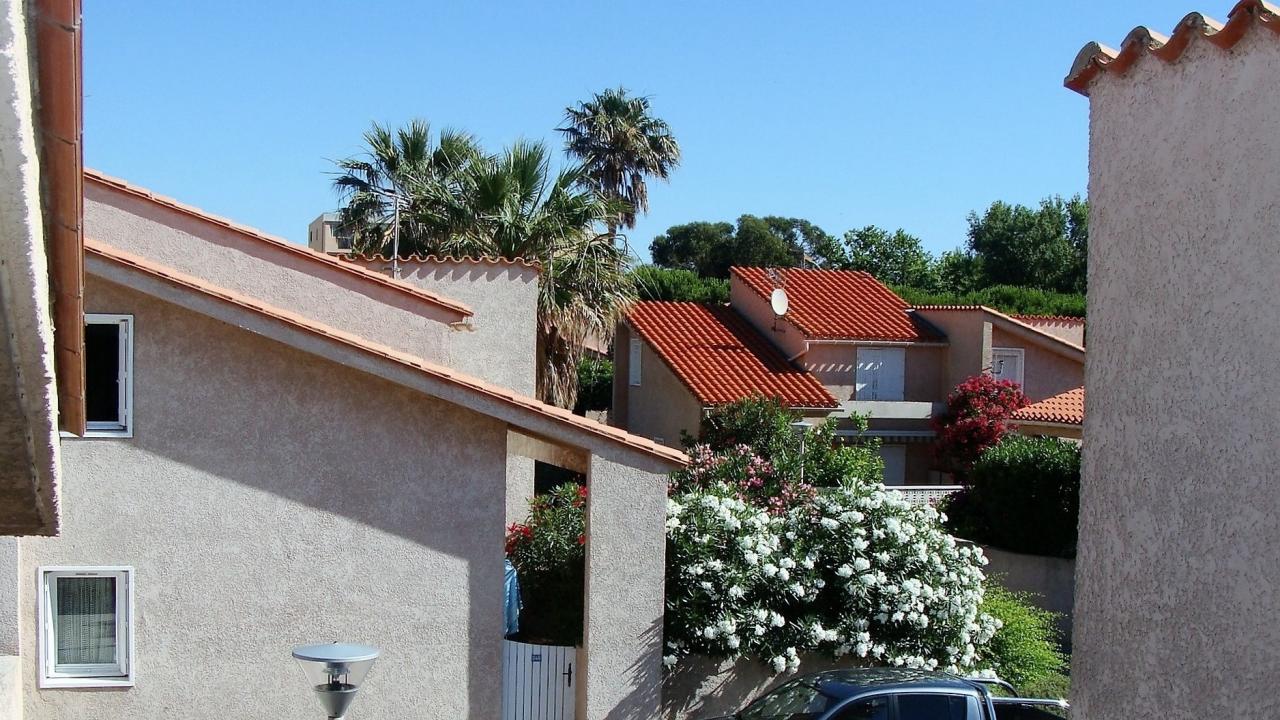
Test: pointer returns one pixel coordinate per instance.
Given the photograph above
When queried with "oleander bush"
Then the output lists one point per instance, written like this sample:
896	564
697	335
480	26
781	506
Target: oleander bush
547	550
976	418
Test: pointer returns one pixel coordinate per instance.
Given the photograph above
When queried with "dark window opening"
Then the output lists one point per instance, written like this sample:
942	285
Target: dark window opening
102	373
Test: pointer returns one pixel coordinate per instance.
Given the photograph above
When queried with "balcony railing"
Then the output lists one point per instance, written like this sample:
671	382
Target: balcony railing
890	409
925	494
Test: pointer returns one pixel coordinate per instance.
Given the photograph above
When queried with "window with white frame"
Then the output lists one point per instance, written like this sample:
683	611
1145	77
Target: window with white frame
108	371
86	626
1008	363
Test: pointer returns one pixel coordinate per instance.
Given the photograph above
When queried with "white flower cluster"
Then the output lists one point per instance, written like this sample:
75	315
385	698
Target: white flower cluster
858	572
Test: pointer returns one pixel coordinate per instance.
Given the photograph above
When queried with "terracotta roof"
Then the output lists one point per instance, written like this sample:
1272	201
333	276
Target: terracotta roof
291	247
417	257
437	372
721	358
1066	409
1067	319
1094	58
841	305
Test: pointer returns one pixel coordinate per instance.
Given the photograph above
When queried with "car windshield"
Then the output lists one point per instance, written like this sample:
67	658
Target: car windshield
797	700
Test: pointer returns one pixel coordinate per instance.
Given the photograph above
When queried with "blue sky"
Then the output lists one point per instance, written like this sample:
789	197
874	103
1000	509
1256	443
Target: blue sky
844	113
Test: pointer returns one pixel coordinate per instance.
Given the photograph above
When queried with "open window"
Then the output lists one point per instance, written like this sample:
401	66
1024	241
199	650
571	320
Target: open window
108	369
86	626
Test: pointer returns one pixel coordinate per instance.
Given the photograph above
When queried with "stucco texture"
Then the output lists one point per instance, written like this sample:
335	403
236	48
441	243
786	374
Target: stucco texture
1176	587
661	406
269	498
1044	372
836	367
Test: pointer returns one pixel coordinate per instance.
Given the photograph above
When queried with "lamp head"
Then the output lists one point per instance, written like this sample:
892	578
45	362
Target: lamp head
335	672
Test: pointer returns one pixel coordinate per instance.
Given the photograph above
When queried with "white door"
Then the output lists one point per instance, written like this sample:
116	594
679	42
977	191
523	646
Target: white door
881	373
895	464
1006	364
538	681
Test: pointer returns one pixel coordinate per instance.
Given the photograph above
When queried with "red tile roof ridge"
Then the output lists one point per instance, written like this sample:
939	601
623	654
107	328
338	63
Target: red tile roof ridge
1066	408
1009	318
419	257
438	372
1095	58
840	305
1048	318
299	250
720	357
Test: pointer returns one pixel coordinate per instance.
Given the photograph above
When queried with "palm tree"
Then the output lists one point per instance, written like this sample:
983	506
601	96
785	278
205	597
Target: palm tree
404	167
620	143
460	201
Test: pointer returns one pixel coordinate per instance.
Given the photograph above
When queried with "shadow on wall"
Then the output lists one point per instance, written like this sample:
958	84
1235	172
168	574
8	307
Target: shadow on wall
645	678
217	403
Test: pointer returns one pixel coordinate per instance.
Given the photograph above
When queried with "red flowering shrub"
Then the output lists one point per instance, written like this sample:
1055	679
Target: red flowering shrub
548	552
976	418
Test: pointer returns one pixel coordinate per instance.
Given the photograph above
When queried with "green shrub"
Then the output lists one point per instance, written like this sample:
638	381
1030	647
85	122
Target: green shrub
659	283
1005	298
1022	495
1025	650
595	385
547	550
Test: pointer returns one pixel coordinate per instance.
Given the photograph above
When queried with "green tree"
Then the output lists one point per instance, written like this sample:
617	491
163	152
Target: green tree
897	257
674	284
689	246
616	137
1044	247
710	249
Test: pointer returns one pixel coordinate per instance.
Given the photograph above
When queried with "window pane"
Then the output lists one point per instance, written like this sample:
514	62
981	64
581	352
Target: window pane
1028	712
84	620
873	709
932	707
102	372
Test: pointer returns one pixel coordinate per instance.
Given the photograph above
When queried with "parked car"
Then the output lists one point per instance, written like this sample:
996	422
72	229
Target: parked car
896	694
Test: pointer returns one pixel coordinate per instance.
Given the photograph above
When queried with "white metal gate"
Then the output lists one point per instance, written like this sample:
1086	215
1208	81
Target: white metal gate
538	681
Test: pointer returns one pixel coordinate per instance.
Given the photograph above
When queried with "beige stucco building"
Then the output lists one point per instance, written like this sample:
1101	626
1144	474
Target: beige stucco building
299	448
1177	590
846	345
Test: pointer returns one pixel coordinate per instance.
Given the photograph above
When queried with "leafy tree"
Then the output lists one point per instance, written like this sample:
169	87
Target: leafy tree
659	283
1043	247
1005	298
897	258
620	143
595	385
689	246
710	249
512	205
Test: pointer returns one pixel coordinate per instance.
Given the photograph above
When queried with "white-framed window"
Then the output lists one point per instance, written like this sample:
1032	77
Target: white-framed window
881	373
1007	364
108	375
86	626
633	363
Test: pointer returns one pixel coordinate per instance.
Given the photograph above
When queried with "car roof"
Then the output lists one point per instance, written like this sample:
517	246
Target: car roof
855	681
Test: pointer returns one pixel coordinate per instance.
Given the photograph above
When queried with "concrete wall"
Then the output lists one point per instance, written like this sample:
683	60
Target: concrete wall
1050	579
1044	373
270	498
969	336
10	639
626	565
499	343
661	406
759	313
1071	330
1176	574
230	260
702	687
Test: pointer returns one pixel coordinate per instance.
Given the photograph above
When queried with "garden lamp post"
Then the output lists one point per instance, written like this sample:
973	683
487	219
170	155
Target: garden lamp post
801	428
335	672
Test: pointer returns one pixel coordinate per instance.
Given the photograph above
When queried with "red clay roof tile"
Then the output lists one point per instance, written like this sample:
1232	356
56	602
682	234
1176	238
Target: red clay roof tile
842	305
721	358
1095	59
1066	408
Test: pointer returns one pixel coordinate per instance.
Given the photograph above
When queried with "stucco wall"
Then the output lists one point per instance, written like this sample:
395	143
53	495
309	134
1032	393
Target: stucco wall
661	406
270	498
702	687
1073	331
499	343
759	313
1044	373
836	367
969	343
261	270
1050	579
1176	574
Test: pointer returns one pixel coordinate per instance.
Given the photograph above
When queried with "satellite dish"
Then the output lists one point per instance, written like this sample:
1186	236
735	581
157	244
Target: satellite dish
778	300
